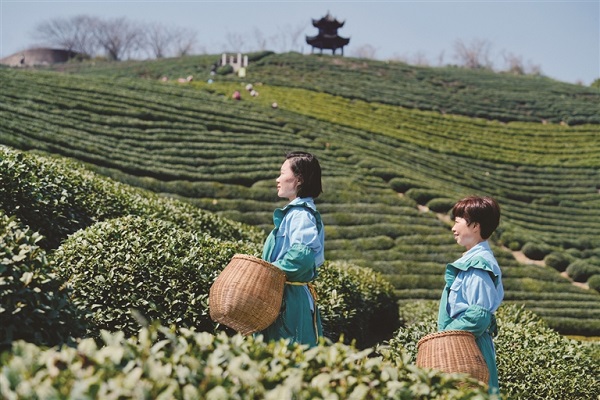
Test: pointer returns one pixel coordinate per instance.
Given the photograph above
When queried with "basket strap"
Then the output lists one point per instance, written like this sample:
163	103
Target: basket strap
313	293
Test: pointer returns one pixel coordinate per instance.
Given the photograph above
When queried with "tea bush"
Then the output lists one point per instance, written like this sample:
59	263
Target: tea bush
535	251
441	205
513	238
594	282
189	140
402	185
418	319
581	270
164	273
35	303
148	265
357	304
423	196
557	260
58	197
534	361
159	363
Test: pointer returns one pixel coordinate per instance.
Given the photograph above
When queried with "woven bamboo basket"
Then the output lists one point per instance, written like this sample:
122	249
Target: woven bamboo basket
452	351
247	294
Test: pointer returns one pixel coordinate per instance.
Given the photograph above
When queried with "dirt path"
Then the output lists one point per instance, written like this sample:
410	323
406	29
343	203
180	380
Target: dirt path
522	258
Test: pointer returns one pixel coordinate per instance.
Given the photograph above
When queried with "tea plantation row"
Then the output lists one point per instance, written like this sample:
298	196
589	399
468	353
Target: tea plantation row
450	90
193	141
161	262
110	250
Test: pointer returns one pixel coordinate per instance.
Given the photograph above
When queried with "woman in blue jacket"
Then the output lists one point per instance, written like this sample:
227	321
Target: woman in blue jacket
474	290
296	246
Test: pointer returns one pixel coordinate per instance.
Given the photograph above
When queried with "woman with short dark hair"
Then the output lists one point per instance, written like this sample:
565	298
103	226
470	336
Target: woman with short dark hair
296	246
474	289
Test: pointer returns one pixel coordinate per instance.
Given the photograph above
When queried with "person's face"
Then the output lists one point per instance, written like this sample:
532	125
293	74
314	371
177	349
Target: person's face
466	235
287	183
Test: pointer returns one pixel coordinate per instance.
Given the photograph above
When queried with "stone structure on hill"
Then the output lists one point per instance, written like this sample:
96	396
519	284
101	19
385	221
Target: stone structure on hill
236	62
39	56
328	37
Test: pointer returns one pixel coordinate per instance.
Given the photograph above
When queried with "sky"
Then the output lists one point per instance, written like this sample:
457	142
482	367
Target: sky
561	38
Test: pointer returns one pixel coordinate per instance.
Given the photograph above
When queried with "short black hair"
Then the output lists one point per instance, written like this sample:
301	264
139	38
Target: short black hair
483	210
307	169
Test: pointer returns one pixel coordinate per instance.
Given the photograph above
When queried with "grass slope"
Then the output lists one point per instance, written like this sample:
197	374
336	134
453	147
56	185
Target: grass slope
382	163
451	90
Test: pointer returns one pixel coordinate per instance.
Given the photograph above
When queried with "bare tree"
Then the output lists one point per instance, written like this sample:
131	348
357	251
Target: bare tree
261	42
473	56
420	59
440	58
295	33
281	39
85	42
365	51
183	41
534	69
72	34
157	39
119	37
235	41
399	58
514	63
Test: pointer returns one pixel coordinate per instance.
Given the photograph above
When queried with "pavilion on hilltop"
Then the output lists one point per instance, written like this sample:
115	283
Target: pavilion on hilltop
328	37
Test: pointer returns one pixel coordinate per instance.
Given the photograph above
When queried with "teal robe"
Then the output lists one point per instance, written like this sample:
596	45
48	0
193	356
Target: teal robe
296	246
478	265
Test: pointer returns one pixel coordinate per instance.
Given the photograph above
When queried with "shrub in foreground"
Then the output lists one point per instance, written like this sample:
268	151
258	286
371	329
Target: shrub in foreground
57	197
35	305
159	363
534	361
164	273
356	303
148	265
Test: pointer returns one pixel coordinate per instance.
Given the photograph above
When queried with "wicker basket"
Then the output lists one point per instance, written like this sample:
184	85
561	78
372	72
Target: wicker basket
247	294
452	351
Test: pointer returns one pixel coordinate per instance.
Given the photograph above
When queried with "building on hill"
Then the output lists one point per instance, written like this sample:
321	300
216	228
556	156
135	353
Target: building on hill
40	56
328	37
236	62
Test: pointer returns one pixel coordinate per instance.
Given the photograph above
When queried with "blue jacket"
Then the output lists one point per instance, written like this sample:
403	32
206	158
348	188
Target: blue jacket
296	246
472	294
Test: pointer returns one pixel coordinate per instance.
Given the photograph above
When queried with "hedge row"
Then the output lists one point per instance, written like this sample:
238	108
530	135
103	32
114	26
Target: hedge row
359	159
534	362
60	197
159	363
118	273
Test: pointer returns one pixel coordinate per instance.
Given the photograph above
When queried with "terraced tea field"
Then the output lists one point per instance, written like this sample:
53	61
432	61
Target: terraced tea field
383	164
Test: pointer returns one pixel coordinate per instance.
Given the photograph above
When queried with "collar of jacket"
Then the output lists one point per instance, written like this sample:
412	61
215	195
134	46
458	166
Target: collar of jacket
305	202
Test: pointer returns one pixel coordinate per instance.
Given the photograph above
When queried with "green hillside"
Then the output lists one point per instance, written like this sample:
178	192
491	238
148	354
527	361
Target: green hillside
389	161
449	90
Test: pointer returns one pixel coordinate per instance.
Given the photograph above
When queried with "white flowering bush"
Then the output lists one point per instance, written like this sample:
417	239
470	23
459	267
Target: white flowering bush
159	363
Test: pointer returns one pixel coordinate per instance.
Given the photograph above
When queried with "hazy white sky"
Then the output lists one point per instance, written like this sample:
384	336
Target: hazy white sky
561	37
